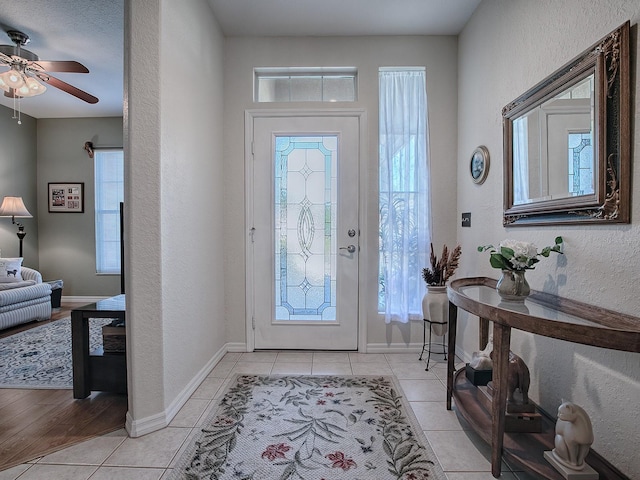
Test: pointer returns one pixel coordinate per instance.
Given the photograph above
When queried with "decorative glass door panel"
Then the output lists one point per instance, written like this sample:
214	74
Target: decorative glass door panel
304	230
581	178
305	213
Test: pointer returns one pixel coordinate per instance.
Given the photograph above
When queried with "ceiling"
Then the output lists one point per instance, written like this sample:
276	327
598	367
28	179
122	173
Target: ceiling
92	34
342	17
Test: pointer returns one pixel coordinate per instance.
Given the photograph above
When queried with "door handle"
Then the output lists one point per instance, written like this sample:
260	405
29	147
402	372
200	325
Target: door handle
349	248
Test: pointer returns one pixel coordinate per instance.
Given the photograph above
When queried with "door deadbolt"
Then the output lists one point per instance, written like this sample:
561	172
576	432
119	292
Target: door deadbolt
351	232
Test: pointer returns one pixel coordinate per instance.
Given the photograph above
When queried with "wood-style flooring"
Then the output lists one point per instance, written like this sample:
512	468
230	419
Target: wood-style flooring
34	423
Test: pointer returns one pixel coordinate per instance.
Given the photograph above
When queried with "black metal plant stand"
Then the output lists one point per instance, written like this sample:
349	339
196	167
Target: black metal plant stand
426	347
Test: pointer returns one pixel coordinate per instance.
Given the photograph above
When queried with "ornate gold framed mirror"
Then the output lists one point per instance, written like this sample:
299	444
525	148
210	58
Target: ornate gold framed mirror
567	143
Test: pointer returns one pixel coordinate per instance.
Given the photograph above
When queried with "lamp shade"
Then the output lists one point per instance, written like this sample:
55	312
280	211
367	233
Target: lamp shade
13	78
3	85
35	87
31	88
14	207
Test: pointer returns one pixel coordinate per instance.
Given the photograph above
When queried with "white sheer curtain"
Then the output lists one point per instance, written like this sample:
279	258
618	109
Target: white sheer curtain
520	161
404	196
109	192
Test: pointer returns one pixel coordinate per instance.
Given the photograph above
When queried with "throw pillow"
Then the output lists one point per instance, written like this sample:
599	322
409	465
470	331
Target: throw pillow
10	270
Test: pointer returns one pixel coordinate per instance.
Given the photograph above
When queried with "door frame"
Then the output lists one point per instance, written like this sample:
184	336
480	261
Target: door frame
364	269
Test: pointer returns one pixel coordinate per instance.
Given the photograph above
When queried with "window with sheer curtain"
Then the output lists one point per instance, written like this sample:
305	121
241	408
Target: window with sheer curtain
520	161
109	191
404	195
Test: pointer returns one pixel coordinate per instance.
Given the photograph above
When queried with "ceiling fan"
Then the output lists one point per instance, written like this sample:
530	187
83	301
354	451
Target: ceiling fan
25	69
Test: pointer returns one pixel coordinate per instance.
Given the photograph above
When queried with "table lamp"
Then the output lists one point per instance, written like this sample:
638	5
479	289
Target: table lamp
14	207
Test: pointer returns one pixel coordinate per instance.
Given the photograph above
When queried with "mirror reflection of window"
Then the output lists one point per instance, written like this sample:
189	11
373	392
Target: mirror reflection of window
539	140
520	161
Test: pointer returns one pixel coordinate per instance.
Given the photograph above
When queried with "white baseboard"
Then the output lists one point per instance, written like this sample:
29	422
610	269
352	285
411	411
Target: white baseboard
394	348
411	348
236	347
137	428
142	426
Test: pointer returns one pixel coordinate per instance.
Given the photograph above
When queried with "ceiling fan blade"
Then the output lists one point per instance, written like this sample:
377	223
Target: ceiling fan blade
70	89
62	66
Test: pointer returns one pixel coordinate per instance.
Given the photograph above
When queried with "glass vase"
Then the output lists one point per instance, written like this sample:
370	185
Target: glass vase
513	286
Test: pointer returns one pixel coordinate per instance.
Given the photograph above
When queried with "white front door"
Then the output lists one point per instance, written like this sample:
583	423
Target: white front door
304	231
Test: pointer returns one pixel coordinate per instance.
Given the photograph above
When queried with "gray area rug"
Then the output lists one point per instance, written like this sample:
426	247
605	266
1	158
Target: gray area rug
41	357
310	428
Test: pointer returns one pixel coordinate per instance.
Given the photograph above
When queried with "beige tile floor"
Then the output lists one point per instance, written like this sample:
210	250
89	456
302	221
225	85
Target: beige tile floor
461	453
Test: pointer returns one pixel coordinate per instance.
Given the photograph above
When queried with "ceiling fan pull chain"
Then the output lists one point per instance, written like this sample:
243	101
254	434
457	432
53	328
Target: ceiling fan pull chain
16	99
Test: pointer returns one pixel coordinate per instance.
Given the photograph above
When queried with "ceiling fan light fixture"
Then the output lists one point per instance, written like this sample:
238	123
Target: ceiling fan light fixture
3	85
13	78
23	91
27	74
31	88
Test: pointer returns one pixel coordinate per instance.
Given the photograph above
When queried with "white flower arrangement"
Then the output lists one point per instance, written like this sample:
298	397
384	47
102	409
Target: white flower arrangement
518	255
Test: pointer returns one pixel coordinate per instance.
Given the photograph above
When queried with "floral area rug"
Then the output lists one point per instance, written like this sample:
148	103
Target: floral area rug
310	428
41	356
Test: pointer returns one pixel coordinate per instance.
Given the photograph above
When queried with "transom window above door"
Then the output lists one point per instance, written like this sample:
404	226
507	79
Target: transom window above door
308	84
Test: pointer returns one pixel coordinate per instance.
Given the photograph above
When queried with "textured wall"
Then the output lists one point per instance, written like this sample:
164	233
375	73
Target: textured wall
174	187
143	233
192	190
506	48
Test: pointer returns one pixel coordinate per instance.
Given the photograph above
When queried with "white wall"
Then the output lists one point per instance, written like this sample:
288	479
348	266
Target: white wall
438	54
173	138
192	189
505	49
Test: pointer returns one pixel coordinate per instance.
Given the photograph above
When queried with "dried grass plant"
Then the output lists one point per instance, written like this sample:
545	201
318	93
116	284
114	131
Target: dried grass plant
442	270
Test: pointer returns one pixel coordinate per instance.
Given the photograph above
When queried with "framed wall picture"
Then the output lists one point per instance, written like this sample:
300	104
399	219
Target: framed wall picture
66	197
479	164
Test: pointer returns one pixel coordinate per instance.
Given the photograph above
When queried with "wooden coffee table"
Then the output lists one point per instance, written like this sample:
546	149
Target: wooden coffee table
95	370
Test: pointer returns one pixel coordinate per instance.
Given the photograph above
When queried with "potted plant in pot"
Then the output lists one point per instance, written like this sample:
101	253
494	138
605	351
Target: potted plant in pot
514	257
435	304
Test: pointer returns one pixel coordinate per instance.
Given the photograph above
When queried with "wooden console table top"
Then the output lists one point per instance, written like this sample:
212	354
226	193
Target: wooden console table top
548	315
541	314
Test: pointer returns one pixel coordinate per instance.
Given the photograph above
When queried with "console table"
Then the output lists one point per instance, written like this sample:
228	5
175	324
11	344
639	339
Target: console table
96	370
540	314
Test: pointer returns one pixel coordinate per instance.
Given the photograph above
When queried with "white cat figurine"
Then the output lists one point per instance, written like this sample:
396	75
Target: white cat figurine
482	360
574	436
